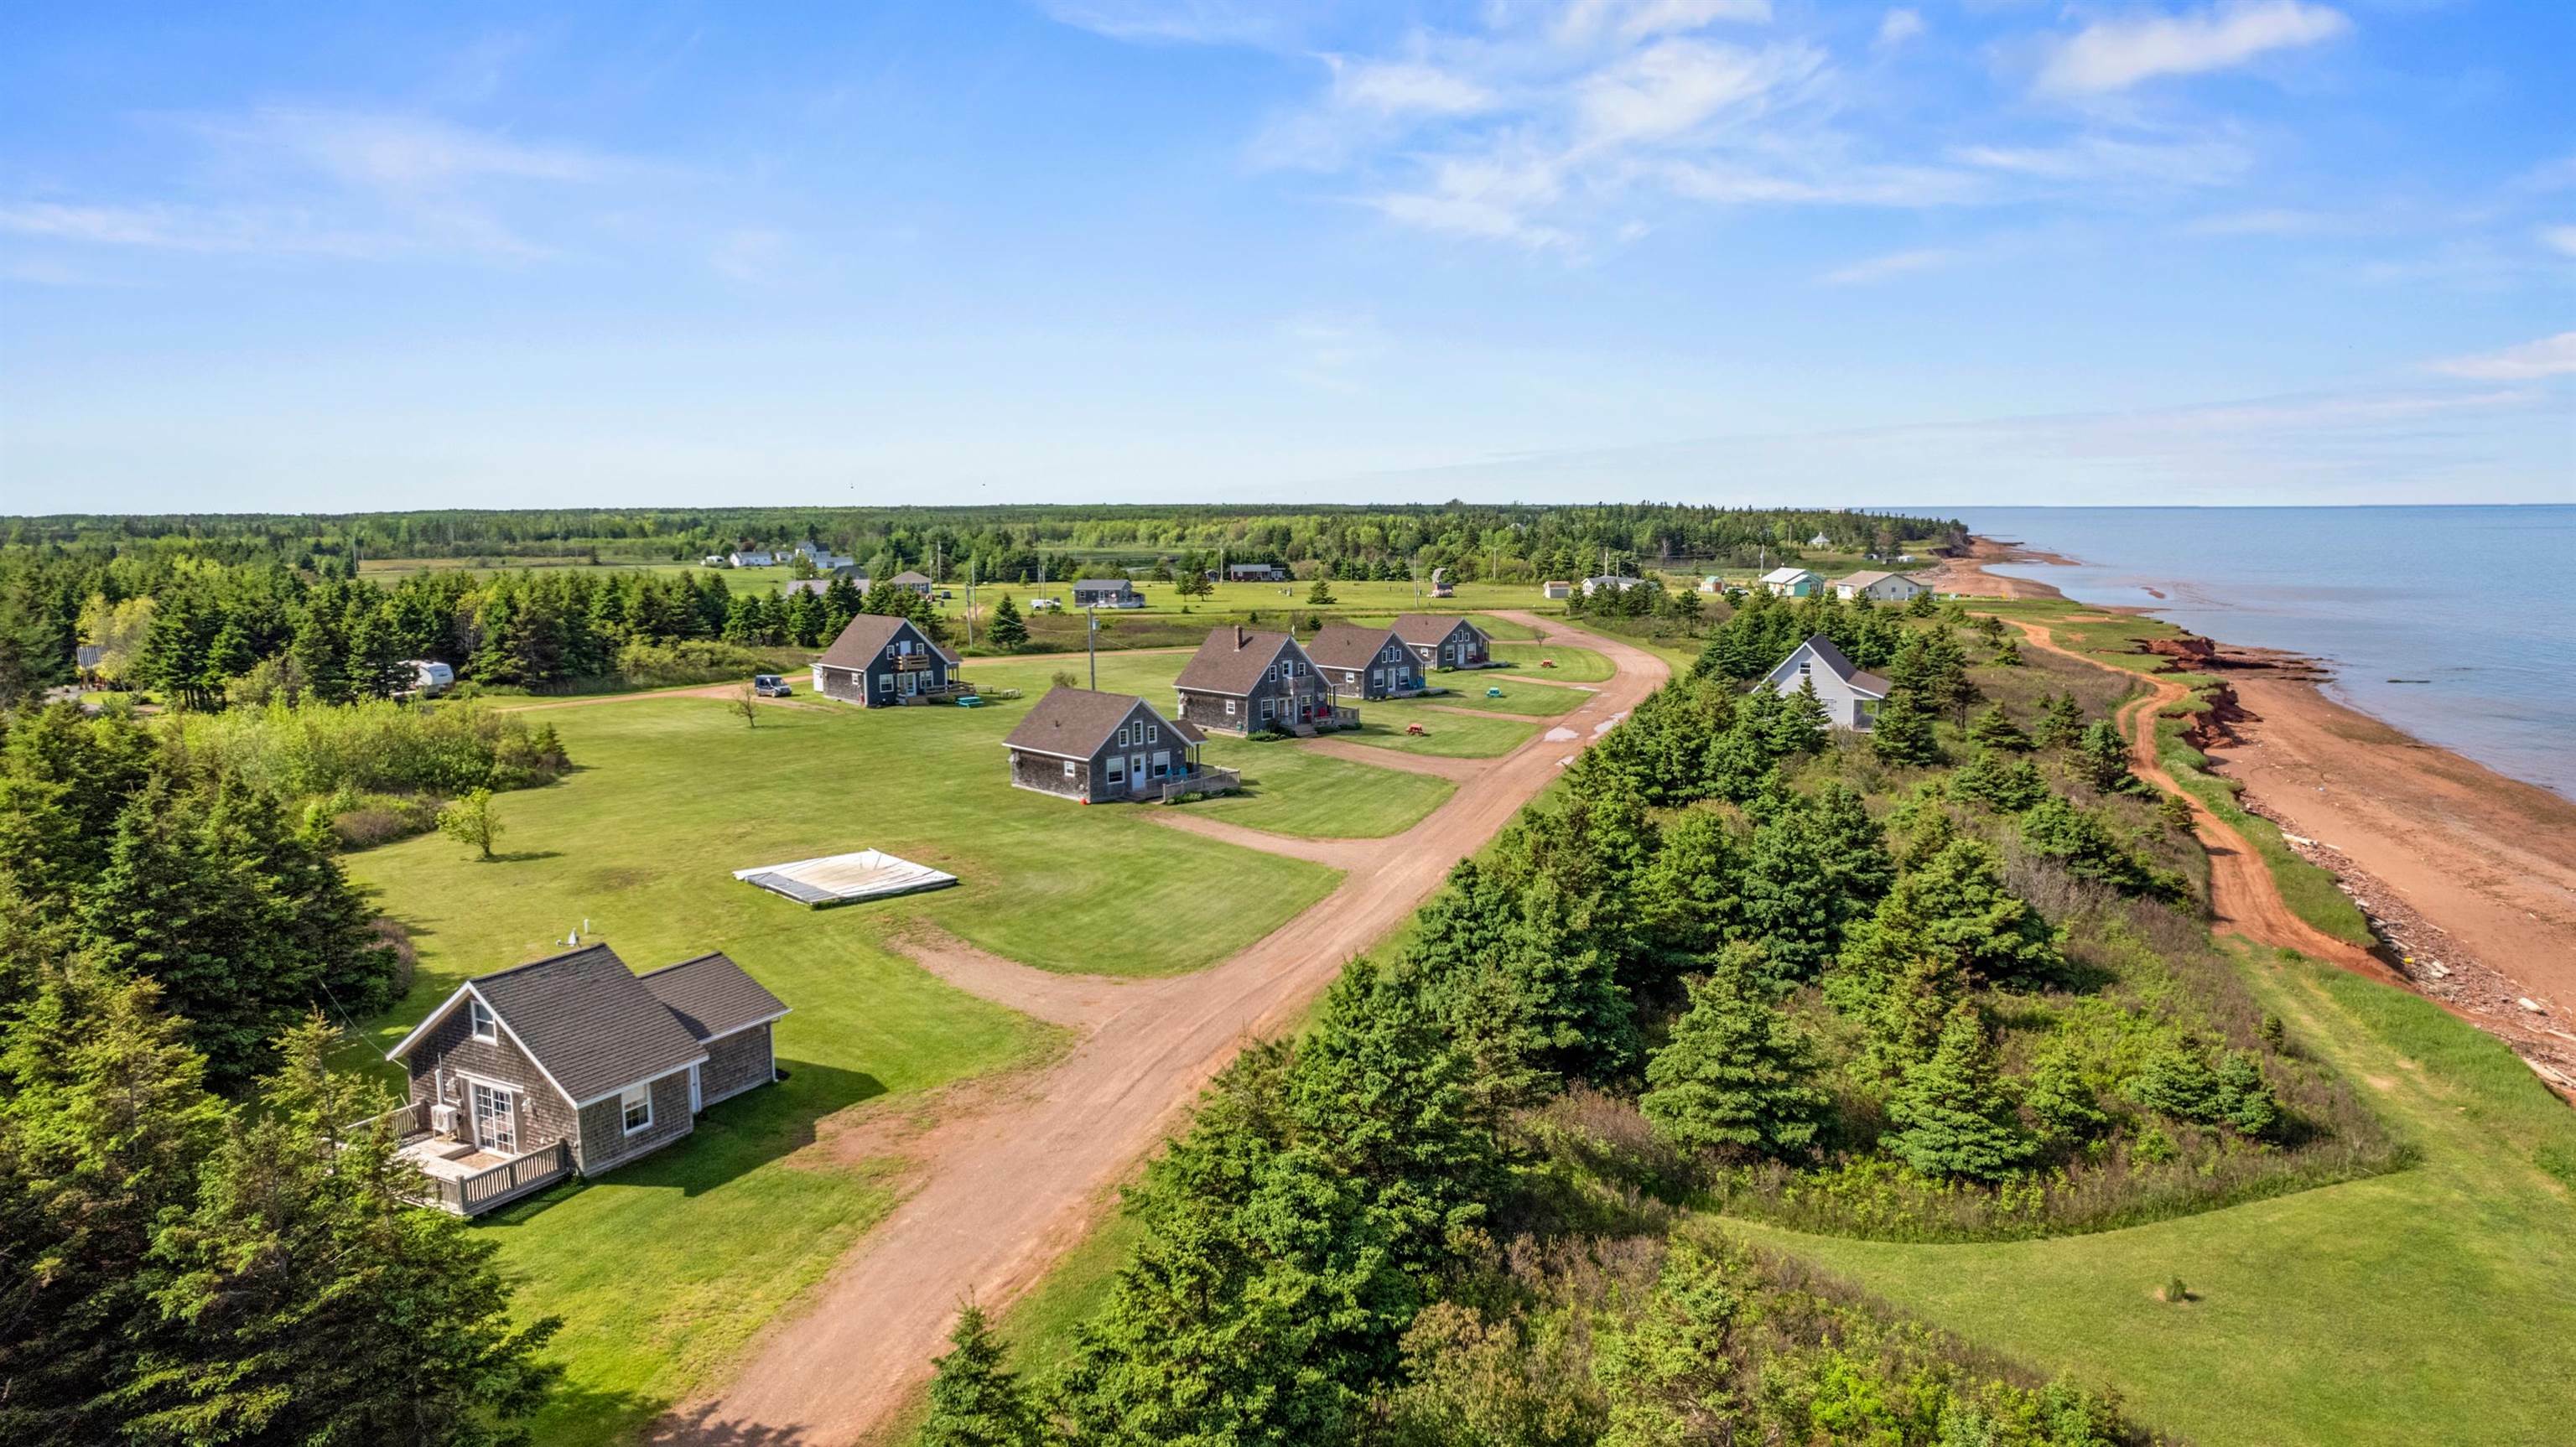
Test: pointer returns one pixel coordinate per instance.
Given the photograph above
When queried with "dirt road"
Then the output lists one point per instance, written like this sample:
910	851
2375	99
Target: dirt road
1010	1185
2242	898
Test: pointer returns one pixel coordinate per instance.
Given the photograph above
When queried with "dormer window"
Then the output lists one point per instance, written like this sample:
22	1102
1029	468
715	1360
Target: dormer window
485	1025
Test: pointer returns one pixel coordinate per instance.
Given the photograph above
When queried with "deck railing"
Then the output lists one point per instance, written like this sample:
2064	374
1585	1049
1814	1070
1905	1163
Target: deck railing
1206	779
403	1120
518	1176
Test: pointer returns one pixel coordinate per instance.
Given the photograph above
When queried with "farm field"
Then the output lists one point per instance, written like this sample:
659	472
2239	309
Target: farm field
2433	1304
669	796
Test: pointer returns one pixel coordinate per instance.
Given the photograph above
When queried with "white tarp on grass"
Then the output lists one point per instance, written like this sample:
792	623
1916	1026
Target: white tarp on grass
845	878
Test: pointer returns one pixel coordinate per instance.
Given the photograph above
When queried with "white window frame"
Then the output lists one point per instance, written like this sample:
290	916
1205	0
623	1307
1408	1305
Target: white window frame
1117	772
481	1022
1069	767
885	683
1266	705
1229	708
1153	733
628	1099
1162	763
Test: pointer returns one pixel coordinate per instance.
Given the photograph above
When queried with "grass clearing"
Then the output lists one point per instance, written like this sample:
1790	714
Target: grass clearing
1297	791
1573	664
2428	1305
1445	735
663	1270
1468	690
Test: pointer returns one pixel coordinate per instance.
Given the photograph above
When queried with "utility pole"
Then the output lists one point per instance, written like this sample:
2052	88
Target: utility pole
1091	641
970	602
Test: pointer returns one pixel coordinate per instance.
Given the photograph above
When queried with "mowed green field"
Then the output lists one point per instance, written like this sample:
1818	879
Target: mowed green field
663	1270
1573	664
2432	1305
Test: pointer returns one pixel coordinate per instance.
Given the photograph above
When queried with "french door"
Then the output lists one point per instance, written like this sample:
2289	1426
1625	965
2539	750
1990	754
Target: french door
496	1118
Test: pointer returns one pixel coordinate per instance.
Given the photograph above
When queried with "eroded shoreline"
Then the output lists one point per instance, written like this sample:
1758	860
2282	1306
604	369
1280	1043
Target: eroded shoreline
2468	874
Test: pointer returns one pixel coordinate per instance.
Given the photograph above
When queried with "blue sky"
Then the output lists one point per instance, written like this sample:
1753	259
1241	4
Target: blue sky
1960	251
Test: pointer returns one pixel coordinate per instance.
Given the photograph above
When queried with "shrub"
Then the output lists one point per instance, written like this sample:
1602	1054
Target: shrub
672	665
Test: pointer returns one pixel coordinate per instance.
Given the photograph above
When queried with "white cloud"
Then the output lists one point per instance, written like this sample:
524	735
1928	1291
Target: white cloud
1673	85
2547	357
1642	19
1490	197
1186	22
1409	87
2102	159
1895	263
182	228
2561	239
402	153
1898	27
2113	55
1737	184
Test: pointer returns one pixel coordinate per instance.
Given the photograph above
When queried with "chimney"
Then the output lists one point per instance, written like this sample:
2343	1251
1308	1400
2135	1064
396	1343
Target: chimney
1240	637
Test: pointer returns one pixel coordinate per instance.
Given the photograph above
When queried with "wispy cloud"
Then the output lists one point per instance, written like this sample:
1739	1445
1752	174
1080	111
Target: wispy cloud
1897	27
2095	159
2113	55
1401	87
2529	362
1893	264
1641	19
1186	22
2561	239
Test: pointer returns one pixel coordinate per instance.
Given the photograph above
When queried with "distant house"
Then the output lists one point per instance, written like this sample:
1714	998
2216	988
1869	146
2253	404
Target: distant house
1444	641
1878	587
1793	583
878	661
1365	662
1107	593
915	581
1241	681
1820	541
1851	694
1556	588
1441	587
1611	583
1712	584
1255	573
575	1063
823	558
1103	747
752	559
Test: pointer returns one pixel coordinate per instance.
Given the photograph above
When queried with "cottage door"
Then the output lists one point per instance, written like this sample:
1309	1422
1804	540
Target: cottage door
496	1122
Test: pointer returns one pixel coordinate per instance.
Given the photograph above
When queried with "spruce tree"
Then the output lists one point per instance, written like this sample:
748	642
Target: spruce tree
1955	908
976	1401
2102	757
1902	733
2061	722
1952	1113
1010	631
1798	724
317	1305
1994	729
1737	1074
2006	788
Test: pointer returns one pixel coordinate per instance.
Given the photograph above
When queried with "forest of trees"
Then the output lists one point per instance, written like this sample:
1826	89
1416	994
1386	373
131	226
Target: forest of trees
1740	961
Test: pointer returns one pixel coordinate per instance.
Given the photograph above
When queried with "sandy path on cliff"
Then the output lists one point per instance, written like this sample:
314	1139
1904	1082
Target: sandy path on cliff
1010	1184
2489	860
2242	897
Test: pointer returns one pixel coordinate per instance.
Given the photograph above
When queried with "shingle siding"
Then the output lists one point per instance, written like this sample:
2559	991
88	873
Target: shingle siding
604	1144
544	1115
735	1063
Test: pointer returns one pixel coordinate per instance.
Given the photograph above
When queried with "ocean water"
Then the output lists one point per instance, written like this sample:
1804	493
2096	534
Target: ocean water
2480	602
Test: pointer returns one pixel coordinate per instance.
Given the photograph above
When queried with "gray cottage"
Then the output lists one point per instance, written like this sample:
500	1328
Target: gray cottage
1443	641
1107	593
1365	662
917	582
1851	693
1105	747
880	661
1242	681
575	1063
1255	573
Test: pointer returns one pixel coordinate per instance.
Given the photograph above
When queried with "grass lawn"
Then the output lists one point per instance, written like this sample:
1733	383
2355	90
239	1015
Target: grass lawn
2431	1305
1467	690
1297	791
1448	735
669	796
1573	664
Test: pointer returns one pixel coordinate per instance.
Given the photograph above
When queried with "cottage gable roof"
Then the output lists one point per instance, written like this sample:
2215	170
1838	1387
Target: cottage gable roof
1426	629
712	997
910	579
864	641
584	1018
1833	660
1786	575
1075	723
1348	645
1867	578
1233	660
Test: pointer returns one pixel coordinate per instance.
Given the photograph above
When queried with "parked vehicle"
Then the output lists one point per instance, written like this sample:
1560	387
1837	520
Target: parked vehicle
769	685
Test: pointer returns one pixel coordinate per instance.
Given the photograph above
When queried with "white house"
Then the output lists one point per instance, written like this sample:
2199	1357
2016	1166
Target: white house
1851	694
1611	583
1556	588
1878	587
752	560
1793	582
1712	584
823	558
